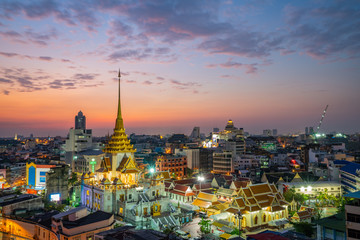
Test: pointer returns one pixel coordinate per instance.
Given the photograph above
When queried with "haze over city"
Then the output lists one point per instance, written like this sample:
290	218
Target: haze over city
263	64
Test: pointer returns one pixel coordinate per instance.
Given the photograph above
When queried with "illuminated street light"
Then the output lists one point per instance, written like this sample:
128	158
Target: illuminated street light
309	188
239	216
200	179
152	170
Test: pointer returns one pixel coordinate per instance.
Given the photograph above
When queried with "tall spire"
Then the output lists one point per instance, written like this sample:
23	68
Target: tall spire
119	142
119	121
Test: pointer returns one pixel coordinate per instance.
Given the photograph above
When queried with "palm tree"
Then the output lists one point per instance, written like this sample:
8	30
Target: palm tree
205	226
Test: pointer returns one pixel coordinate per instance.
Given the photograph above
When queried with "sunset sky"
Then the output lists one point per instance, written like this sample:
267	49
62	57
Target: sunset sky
263	64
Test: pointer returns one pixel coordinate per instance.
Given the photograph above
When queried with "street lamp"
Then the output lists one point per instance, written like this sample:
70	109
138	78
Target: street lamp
239	216
151	170
200	179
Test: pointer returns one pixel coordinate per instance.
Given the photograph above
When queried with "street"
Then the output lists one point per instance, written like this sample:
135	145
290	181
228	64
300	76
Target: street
192	227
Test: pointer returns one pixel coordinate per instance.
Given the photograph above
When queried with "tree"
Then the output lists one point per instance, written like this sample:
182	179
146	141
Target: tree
318	212
304	227
73	179
323	198
189	172
340	202
205	226
289	194
300	198
169	230
236	232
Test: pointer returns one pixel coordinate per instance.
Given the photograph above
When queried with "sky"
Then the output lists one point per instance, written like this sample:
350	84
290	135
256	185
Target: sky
264	64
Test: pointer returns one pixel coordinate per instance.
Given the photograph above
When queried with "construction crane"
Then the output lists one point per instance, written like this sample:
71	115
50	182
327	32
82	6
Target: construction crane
322	117
316	133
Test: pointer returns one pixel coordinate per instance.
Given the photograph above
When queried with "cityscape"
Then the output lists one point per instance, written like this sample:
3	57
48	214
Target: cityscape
179	120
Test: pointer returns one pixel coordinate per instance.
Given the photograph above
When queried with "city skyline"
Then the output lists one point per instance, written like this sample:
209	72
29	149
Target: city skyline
264	65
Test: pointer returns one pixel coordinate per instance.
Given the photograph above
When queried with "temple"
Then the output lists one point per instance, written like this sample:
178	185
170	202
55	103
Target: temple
115	188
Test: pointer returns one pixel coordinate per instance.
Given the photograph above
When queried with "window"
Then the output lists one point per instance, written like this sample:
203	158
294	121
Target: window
153	193
353	218
354	233
130	196
109	197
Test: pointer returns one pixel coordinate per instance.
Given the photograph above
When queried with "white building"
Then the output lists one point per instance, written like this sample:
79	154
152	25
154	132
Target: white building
314	188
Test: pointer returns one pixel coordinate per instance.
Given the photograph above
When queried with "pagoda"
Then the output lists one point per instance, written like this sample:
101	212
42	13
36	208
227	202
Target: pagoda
119	161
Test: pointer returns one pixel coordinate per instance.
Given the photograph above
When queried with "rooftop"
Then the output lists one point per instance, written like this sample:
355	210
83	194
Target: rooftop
353	195
89	219
63	214
336	222
351	168
16	199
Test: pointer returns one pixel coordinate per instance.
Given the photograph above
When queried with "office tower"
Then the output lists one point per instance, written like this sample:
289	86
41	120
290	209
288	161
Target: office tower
195	134
80	121
274	132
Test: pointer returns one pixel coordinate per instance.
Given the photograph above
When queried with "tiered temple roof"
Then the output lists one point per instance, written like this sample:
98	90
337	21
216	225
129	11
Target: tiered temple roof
119	142
256	197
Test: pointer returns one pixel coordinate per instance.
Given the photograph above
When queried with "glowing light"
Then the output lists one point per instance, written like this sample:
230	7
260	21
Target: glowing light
302	189
309	188
55	197
152	170
201	178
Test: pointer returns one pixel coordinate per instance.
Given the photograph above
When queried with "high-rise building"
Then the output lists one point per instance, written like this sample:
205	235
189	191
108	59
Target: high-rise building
274	132
199	159
80	121
223	162
195	134
78	140
267	132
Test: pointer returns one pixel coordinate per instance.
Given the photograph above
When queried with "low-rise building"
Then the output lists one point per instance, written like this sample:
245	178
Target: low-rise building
57	188
36	176
312	189
86	227
261	205
182	193
28	202
175	164
332	227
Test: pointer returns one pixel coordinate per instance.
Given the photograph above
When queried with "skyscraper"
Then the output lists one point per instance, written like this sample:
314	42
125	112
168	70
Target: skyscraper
80	121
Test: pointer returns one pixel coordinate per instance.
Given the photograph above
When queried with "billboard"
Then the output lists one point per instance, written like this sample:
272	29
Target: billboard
55	197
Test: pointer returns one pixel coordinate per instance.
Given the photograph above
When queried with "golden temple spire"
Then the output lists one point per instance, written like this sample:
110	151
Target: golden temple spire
119	121
119	142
